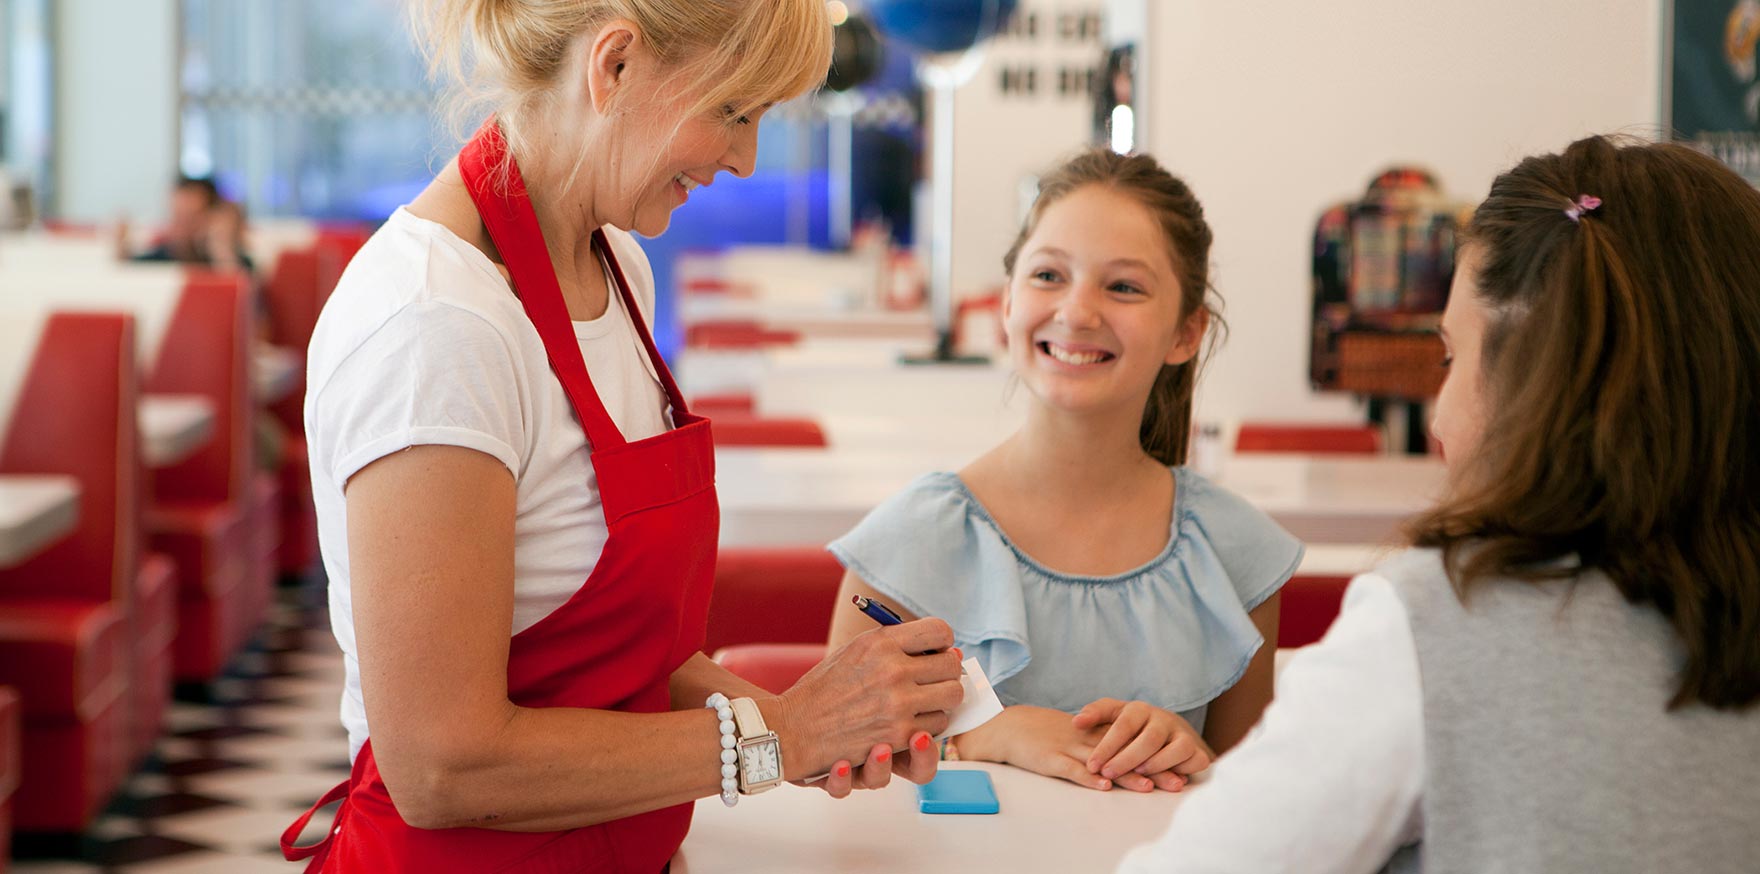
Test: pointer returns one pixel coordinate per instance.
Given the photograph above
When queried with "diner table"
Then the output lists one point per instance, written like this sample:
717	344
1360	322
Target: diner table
274	371
704	370
36	510
1042	825
821	322
173	427
795	497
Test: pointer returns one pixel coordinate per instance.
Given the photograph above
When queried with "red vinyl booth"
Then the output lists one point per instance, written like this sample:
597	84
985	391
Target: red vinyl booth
779	595
1309	605
1329	439
724	404
212	513
774	666
736	335
736	430
79	400
293	297
86	625
9	766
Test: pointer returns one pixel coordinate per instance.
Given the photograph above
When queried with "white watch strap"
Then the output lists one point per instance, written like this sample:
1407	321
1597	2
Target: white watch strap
748	718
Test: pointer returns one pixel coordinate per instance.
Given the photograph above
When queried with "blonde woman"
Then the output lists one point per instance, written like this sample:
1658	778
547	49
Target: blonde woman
516	509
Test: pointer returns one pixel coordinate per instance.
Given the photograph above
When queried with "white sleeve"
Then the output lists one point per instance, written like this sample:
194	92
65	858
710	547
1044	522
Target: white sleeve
1331	778
433	373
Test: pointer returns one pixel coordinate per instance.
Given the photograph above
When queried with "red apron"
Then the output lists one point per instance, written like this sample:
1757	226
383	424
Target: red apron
639	615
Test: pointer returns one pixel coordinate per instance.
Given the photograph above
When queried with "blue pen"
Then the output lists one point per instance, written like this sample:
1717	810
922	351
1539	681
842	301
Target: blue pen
876	611
883	614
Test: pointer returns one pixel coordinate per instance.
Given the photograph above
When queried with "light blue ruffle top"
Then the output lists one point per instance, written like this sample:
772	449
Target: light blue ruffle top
1174	632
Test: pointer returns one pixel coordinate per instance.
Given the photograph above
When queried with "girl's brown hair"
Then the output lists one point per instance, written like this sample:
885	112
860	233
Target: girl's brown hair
1620	358
1167	419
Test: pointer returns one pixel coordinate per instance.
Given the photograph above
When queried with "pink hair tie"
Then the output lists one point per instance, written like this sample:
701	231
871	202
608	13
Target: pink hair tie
1585	203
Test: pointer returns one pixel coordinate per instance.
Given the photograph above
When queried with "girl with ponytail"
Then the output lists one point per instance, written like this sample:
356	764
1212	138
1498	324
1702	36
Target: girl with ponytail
1122	605
1563	674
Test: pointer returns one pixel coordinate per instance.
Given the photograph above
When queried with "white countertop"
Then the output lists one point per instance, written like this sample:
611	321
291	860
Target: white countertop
1043	825
792	497
173	427
274	371
35	511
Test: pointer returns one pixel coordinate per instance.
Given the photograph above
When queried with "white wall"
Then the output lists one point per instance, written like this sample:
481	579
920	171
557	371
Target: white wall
117	107
1001	140
1274	111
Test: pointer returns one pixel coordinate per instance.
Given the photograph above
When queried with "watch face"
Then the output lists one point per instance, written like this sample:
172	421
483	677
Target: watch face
758	763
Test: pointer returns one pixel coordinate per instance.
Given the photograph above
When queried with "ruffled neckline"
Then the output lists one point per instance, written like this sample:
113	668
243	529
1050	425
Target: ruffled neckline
1175	542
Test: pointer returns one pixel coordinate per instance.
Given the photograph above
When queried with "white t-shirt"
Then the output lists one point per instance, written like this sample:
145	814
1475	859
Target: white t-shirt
423	342
1332	777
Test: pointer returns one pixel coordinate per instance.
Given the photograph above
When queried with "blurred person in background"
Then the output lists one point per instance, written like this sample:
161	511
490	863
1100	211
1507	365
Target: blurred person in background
203	228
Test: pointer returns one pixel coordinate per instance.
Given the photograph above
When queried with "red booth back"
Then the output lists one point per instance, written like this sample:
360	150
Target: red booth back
1309	605
734	429
75	416
781	595
774	666
1331	439
291	298
206	352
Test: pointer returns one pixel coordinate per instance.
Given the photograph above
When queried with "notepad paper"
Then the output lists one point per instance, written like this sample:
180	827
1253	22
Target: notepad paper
980	704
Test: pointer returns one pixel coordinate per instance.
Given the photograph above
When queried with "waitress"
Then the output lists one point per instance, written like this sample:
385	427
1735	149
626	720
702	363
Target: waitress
516	508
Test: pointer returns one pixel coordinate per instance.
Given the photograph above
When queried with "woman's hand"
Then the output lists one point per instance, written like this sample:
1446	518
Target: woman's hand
1144	746
916	764
1043	741
876	701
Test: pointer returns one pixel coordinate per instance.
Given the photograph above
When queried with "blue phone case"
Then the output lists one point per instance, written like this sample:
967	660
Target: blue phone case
958	792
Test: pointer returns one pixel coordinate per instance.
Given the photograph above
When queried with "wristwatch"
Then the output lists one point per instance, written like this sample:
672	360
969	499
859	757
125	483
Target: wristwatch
760	752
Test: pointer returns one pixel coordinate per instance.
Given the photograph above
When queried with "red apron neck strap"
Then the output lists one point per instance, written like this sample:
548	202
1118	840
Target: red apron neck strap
641	324
499	192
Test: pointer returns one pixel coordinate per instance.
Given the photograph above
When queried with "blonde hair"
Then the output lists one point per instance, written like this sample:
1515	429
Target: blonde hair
504	56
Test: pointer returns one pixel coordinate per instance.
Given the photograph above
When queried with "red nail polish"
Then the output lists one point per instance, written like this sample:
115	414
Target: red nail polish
959	655
920	743
883	755
843	769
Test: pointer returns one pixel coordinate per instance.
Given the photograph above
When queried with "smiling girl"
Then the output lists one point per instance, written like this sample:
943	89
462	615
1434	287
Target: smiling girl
1118	601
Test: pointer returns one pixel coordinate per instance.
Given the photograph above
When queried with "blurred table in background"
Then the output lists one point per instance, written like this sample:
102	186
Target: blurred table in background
814	294
173	427
35	512
776	497
274	371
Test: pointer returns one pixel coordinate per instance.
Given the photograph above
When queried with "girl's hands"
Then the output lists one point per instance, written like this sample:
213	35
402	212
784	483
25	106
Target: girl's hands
876	701
1040	740
1144	746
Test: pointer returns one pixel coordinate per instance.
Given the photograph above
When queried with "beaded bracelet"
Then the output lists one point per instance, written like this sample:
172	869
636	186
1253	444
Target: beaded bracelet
729	769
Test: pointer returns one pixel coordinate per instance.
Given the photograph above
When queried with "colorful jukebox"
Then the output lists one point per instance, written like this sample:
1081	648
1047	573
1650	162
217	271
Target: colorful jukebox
1382	267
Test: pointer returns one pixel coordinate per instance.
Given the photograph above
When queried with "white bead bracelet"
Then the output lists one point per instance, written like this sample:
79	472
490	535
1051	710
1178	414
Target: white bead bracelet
729	759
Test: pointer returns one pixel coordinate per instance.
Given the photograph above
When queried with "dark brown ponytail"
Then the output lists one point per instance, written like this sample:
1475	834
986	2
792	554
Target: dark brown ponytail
1620	364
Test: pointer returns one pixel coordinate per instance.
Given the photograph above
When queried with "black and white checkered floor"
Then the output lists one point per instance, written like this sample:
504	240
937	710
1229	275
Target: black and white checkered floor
230	774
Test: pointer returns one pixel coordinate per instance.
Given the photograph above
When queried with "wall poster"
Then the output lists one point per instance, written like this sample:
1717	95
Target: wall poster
1712	92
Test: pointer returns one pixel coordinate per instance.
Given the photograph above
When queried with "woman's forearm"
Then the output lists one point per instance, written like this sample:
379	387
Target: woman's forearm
557	768
699	677
549	769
